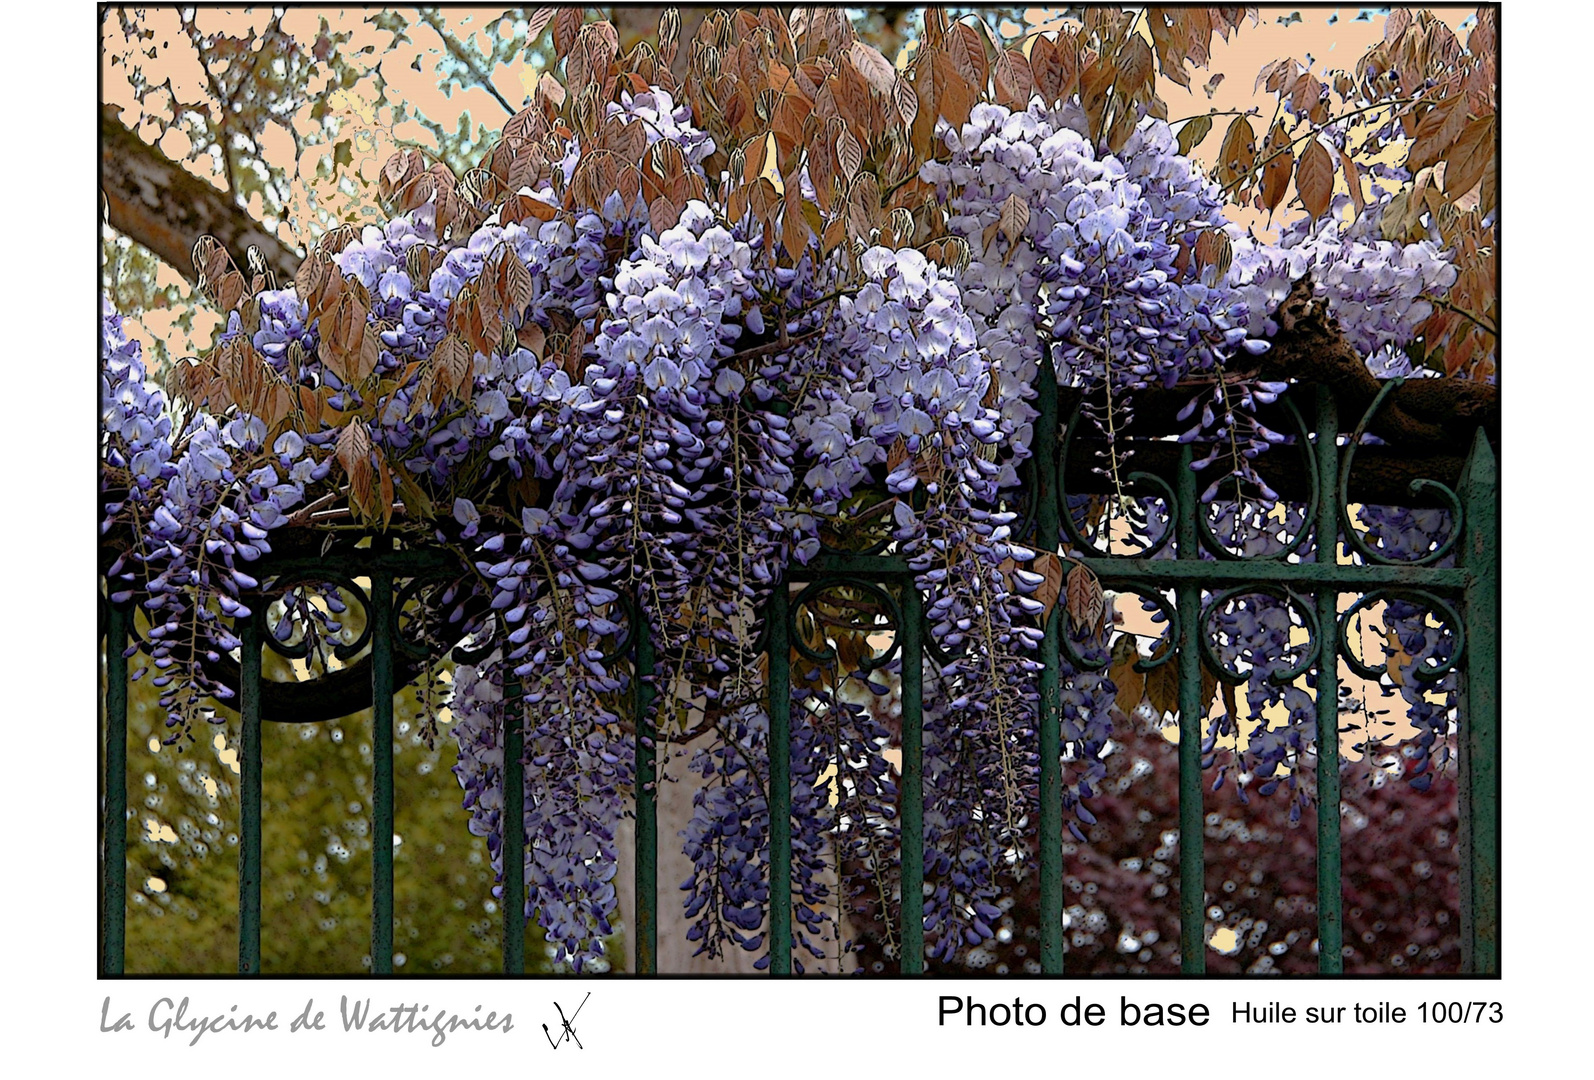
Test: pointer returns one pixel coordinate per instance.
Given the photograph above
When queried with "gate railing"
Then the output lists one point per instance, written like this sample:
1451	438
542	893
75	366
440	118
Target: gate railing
1472	582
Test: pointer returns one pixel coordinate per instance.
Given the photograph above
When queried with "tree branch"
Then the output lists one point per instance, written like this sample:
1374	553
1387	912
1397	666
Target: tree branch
154	200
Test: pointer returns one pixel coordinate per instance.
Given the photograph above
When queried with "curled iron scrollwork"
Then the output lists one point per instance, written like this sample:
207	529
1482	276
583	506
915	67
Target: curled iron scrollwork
1213	543
1424	672
1352	535
1161	491
1279	676
883	604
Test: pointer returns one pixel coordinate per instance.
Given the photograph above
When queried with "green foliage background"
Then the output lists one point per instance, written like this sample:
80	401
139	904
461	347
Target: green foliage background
182	849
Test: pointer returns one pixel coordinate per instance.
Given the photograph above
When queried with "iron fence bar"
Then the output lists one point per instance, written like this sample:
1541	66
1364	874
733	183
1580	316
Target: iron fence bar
1480	747
1330	943
912	780
249	795
779	799
1047	539
1169	573
113	836
646	853
1222	575
1192	710
512	828
381	614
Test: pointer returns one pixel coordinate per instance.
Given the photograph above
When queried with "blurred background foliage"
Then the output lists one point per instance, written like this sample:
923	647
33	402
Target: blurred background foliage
315	897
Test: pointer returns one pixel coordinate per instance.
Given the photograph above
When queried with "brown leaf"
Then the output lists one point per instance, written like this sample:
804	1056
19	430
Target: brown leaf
354	454
1014	82
849	155
1131	684
1162	685
669	34
663	214
1314	179
1047	70
1214	248
1470	157
385	491
565	27
1135	67
1191	134
967	52
1238	154
1162	682
1438	129
875	68
907	102
793	226
1353	180
1094	84
452	361
1050	568
1276	173
1085	602
1014	218
515	285
863	205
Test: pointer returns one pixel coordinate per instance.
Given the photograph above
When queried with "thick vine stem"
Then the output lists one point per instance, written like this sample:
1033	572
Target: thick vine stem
1424	414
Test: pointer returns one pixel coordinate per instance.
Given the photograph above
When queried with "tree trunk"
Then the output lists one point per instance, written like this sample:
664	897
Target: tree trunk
154	200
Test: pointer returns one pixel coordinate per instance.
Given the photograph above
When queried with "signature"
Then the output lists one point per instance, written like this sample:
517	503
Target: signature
567	1026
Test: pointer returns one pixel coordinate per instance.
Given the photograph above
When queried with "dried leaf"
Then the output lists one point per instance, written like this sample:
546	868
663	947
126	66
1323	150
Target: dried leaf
849	155
669	34
1470	157
1135	67
1131	684
354	454
1238	154
567	23
875	68
1191	134
1353	180
1084	599
1014	218
1280	163
1050	568
452	361
1214	248
1314	179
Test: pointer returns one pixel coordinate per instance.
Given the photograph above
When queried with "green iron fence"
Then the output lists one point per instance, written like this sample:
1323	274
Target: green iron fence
1465	592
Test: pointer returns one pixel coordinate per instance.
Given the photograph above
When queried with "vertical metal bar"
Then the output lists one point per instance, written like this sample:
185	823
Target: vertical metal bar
381	613
513	828
113	838
1480	716
1330	940
250	767
1192	710
647	807
912	780
780	781
1047	527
